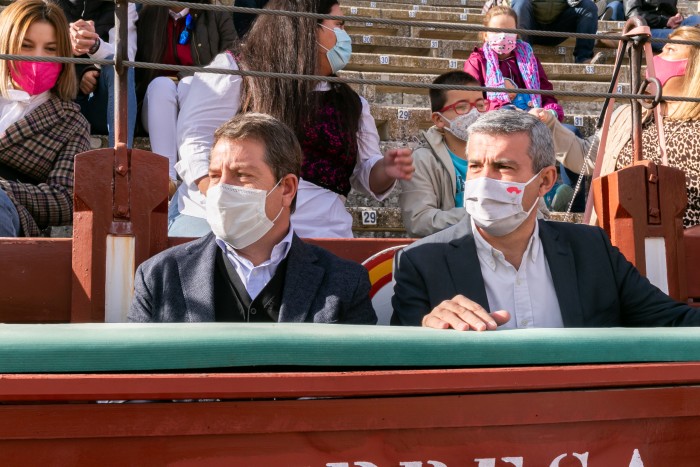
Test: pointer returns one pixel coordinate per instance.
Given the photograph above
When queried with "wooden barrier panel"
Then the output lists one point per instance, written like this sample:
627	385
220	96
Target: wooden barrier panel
426	414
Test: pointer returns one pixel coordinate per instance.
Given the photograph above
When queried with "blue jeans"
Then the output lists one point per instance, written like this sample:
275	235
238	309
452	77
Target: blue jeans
664	33
98	107
9	219
581	19
182	225
618	10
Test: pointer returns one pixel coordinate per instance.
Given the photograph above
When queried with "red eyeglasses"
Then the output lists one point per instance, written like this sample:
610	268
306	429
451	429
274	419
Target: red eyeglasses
463	107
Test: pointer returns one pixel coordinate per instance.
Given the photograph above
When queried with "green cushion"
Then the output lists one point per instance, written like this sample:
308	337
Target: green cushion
84	348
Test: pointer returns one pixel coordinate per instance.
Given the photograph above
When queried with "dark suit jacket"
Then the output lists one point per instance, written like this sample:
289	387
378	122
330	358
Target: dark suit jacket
595	285
177	285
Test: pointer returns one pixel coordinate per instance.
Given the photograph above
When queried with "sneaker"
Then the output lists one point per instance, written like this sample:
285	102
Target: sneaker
602	6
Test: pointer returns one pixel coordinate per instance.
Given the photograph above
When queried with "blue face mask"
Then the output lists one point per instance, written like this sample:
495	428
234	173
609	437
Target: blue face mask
339	55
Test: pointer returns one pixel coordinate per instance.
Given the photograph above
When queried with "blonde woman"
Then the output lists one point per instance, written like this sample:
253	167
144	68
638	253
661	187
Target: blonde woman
678	69
41	129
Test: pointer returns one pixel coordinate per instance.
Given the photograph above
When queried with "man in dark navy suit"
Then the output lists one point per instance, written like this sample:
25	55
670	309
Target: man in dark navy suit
500	267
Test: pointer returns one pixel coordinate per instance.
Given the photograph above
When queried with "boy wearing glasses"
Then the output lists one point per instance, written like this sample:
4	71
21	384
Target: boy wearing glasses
433	199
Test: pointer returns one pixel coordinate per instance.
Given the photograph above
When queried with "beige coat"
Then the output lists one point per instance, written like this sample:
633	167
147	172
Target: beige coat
571	150
427	201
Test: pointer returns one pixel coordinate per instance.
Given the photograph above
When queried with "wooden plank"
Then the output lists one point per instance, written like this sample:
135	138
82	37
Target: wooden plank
91	387
35	280
657	426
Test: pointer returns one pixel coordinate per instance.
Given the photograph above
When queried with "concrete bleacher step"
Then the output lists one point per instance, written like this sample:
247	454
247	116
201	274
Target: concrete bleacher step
383	63
450	49
434	16
418	97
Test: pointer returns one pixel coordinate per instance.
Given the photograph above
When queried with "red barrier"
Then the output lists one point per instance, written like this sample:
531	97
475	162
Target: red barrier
606	415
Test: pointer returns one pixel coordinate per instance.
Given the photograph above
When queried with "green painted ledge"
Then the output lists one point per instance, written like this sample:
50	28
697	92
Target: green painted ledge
84	348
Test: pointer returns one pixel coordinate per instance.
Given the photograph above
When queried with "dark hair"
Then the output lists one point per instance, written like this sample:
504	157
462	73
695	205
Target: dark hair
281	44
438	97
282	150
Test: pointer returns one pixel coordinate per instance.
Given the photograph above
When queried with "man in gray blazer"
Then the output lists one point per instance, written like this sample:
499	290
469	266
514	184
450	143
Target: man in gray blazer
252	267
501	267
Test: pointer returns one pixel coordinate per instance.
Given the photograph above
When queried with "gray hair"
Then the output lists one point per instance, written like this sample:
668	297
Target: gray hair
506	122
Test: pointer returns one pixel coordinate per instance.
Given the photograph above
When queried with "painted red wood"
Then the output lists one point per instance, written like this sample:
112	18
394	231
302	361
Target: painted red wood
604	427
35	280
692	253
90	387
641	201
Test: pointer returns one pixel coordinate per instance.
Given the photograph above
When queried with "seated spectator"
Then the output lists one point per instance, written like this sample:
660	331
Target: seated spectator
614	10
93	35
333	124
678	69
41	129
253	267
243	21
432	199
662	16
174	36
502	267
580	16
505	57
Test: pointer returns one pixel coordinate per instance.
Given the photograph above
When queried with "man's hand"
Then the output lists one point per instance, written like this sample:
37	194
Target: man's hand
398	163
463	314
82	36
675	21
88	83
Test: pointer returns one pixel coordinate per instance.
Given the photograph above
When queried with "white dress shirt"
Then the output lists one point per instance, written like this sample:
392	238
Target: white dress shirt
526	293
212	100
17	105
255	278
106	49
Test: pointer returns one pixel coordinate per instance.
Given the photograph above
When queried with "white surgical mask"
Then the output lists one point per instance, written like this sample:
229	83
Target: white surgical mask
495	205
339	55
237	215
459	125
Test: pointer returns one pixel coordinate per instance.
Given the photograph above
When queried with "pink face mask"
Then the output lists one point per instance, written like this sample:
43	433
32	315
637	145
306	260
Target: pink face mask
36	77
502	43
666	69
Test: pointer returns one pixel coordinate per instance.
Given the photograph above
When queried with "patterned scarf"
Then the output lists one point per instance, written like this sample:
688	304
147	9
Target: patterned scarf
528	70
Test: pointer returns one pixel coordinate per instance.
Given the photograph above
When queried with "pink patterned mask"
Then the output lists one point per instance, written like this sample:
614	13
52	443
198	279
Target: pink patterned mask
36	77
502	43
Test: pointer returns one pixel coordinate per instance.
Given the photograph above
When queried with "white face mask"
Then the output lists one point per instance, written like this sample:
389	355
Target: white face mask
237	215
495	205
458	127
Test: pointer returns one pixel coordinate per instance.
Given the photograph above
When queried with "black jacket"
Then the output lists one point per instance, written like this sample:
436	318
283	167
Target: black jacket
595	285
213	33
655	12
102	13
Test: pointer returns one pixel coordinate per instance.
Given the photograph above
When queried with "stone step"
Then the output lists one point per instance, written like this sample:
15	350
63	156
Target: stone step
410	6
476	4
418	97
403	123
388	224
409	14
381	63
451	49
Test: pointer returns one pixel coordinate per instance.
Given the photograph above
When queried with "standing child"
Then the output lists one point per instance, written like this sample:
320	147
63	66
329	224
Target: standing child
503	57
